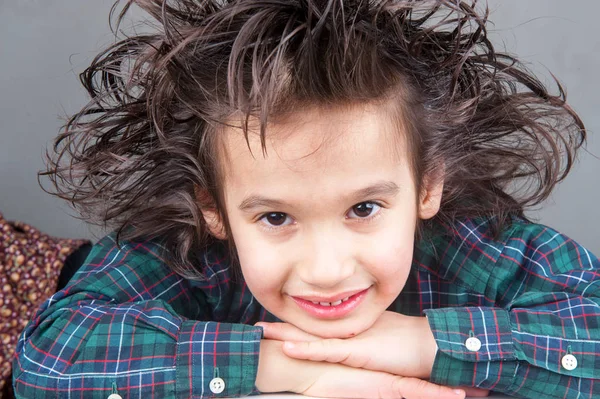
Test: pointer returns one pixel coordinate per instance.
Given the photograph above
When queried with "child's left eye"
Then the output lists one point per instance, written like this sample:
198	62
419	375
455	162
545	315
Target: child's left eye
363	210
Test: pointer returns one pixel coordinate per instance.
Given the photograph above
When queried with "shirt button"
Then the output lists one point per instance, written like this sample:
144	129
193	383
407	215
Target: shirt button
217	385
114	396
569	362
473	344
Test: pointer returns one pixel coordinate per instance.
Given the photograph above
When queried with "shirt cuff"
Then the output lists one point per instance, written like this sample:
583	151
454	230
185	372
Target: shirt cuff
209	350
475	347
449	371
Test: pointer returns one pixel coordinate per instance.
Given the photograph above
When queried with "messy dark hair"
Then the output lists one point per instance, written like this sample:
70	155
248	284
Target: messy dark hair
136	157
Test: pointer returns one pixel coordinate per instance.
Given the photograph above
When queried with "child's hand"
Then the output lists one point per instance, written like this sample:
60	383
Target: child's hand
395	344
279	373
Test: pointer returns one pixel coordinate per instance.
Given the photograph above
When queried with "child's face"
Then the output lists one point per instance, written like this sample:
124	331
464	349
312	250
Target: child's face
330	211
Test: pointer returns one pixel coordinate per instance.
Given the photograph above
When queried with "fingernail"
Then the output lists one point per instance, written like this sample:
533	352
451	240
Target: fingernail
259	324
459	392
289	345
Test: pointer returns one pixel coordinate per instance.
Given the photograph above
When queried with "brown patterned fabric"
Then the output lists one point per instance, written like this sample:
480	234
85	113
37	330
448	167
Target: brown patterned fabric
30	264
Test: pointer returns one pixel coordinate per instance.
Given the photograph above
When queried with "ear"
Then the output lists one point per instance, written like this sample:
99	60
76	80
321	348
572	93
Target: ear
212	217
214	222
430	197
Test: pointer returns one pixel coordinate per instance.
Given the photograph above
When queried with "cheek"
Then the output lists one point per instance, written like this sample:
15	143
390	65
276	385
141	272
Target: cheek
264	270
389	261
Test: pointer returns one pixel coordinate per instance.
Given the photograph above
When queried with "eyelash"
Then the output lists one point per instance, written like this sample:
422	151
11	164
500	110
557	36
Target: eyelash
367	219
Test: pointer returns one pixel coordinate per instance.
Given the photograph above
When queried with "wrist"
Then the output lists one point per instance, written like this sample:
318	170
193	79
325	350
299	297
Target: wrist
278	372
266	379
429	348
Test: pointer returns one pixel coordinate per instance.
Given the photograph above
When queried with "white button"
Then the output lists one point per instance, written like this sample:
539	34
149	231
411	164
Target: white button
114	396
569	362
473	344
217	385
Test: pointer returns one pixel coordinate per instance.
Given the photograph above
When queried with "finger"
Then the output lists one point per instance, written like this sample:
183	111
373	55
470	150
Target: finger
285	332
476	392
415	388
360	383
327	350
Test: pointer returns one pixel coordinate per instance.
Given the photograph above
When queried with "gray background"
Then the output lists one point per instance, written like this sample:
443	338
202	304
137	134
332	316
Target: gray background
45	44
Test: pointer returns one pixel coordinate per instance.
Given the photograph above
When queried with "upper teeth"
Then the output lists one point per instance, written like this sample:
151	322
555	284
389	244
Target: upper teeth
331	303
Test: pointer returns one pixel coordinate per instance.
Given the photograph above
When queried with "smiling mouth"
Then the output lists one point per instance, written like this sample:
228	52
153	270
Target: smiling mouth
332	299
338	308
331	303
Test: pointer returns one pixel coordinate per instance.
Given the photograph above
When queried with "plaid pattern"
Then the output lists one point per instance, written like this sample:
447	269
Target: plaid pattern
127	324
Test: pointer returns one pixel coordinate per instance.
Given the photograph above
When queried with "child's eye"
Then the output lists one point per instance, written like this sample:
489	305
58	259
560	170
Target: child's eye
276	219
363	210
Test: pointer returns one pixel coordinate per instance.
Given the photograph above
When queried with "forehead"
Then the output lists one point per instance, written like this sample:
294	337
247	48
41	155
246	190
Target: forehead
315	146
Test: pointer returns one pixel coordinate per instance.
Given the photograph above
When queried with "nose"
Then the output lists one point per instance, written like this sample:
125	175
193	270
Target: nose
325	263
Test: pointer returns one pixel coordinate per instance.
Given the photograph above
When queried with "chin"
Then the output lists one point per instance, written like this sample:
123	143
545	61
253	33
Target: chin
338	328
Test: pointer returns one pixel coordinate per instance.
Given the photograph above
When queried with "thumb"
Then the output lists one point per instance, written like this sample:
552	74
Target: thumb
327	350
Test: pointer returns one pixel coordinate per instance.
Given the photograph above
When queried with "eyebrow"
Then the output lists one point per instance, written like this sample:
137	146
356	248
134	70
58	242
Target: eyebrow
380	189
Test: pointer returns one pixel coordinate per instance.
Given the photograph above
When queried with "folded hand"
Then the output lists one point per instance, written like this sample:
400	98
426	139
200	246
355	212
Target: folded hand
396	344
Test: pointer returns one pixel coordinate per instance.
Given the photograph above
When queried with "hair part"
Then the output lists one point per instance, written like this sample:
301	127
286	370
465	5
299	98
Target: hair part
135	157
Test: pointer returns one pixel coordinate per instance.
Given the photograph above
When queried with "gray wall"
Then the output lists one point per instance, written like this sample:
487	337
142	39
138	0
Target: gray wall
44	44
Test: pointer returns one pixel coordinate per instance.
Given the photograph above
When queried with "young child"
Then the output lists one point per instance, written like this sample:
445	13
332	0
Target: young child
352	175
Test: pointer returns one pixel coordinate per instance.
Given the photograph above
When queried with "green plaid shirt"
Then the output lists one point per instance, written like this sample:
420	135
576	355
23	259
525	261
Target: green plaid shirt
127	324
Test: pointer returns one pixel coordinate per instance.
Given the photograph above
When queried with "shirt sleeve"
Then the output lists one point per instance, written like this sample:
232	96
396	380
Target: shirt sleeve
115	330
540	335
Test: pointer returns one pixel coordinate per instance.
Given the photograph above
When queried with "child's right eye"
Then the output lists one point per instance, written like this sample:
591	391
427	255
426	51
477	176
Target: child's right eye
276	219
